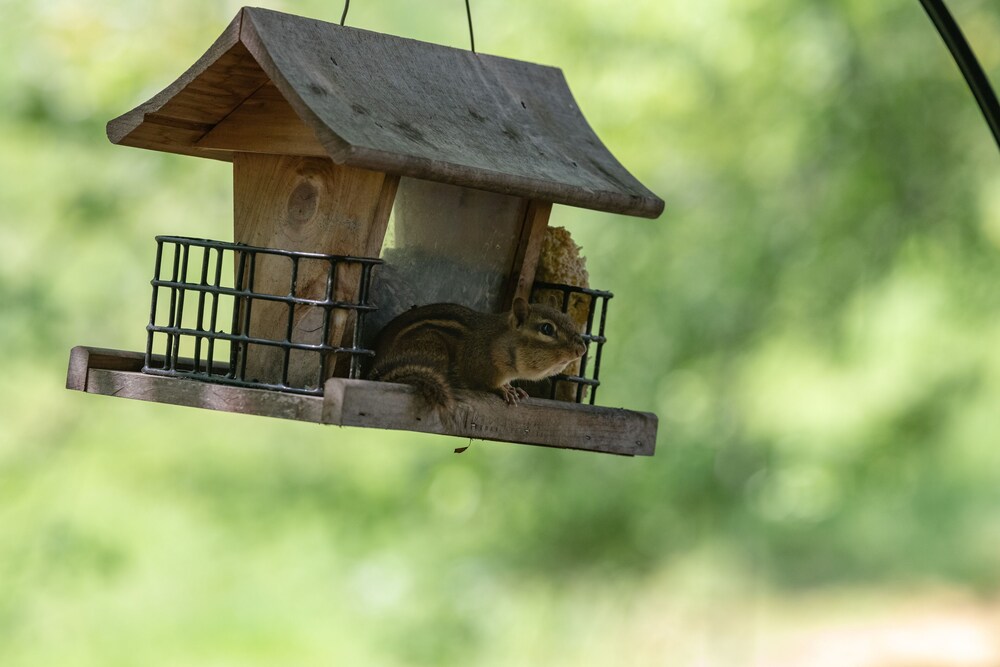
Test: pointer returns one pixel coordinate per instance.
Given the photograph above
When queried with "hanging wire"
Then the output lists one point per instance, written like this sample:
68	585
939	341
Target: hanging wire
967	63
472	39
468	13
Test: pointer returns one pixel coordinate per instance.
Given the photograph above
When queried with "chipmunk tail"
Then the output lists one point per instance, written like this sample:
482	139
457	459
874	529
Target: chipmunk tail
431	384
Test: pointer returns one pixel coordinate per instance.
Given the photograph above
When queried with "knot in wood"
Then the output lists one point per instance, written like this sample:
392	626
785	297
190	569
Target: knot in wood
302	203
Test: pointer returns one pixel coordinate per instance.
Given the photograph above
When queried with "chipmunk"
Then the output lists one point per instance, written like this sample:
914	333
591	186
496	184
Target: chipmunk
445	346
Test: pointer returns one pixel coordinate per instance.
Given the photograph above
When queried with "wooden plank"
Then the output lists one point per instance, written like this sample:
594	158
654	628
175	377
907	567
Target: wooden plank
264	123
205	94
156	136
372	242
305	204
529	248
370	245
194	394
486	417
82	359
217	91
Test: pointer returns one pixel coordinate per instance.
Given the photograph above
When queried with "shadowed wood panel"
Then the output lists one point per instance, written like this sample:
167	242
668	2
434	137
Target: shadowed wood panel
204	95
529	248
264	123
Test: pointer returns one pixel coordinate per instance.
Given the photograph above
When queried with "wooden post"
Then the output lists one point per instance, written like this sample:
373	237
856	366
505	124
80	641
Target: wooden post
529	248
305	204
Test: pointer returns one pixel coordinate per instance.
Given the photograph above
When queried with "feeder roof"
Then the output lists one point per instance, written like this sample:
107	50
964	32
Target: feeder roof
388	104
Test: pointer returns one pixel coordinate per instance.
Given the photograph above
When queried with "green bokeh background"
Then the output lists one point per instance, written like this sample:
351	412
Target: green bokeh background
815	319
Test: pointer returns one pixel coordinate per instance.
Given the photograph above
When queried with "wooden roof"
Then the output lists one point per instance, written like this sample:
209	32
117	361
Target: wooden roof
281	83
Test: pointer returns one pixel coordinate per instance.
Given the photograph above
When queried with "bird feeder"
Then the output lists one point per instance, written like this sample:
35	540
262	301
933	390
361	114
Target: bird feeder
371	173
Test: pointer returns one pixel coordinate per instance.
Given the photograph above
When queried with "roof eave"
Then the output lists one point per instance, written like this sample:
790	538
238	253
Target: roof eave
240	58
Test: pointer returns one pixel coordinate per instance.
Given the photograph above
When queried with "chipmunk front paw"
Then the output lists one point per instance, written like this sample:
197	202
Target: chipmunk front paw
512	394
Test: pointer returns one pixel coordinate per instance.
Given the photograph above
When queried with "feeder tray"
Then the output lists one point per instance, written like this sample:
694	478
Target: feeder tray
382	405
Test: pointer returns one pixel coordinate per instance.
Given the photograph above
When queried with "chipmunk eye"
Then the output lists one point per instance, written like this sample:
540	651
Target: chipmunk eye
547	329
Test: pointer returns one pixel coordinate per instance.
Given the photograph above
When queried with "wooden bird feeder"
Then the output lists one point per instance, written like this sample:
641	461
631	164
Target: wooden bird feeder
349	146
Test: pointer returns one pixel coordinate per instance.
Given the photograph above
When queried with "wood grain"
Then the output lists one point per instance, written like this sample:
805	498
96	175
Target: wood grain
82	359
486	417
194	394
529	248
264	123
175	119
392	105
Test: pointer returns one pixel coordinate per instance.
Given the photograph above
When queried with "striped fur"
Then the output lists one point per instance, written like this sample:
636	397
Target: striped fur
442	347
430	383
419	353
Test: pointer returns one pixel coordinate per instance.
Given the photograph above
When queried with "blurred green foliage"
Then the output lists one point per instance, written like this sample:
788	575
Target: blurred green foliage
815	319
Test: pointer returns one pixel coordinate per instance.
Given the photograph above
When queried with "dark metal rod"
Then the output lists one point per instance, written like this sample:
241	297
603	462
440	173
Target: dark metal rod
359	319
244	293
246	315
173	305
576	378
152	308
214	318
240	247
586	354
600	349
240	338
291	321
331	277
468	13
967	63
180	307
235	349
207	253
570	288
472	38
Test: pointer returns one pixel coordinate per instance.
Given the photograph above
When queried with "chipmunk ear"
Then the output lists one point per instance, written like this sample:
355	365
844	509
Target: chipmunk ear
520	311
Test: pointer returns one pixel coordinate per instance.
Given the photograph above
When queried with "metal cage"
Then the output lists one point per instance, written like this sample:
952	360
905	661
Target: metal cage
589	308
203	296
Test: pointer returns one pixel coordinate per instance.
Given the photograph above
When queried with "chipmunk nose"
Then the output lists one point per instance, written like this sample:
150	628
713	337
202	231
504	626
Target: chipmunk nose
581	347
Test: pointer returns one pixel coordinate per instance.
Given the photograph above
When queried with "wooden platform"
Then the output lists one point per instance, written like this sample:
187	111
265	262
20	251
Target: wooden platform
378	405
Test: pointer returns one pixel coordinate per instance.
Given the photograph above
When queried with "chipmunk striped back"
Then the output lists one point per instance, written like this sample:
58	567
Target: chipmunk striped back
420	347
445	346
